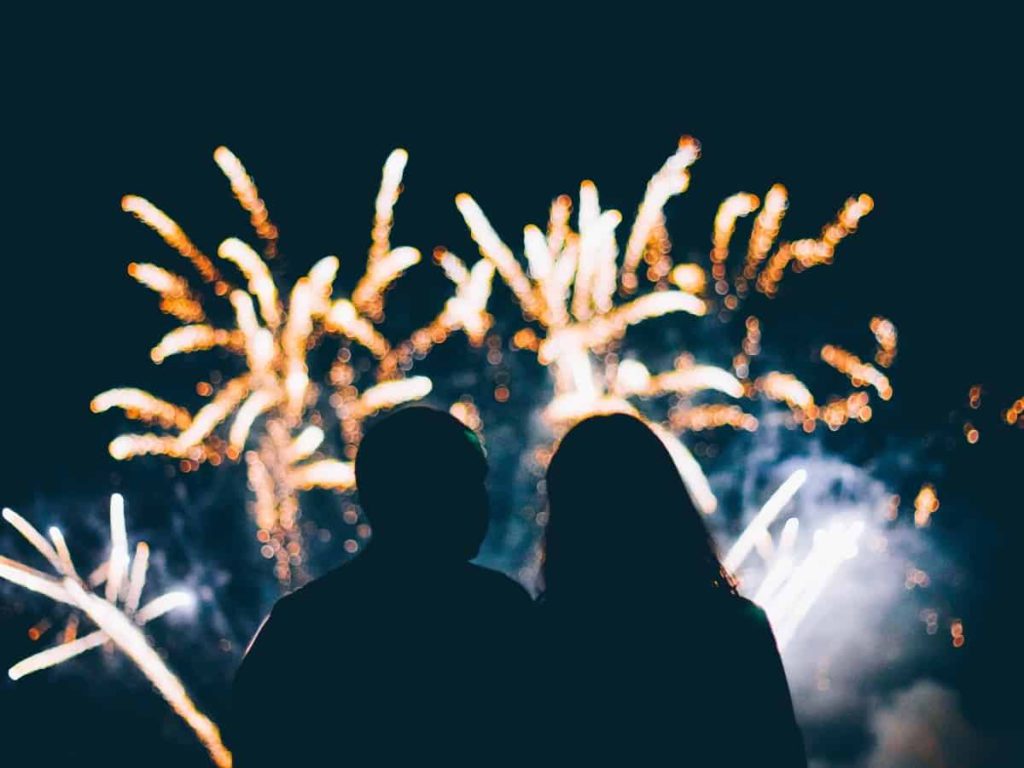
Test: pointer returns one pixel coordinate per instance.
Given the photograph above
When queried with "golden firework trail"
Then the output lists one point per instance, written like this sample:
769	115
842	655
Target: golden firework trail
116	612
270	413
568	294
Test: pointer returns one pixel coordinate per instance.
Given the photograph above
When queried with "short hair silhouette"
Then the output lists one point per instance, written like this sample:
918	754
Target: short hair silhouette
621	519
407	654
421	475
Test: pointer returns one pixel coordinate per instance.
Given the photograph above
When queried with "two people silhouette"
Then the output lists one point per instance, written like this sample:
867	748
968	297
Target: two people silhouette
639	650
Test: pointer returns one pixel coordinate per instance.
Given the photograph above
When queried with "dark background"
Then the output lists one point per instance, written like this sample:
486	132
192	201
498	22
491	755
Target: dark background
918	112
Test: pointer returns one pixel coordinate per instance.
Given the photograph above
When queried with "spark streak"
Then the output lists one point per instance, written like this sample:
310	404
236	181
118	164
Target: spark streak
248	196
672	179
172	234
745	543
810	579
859	372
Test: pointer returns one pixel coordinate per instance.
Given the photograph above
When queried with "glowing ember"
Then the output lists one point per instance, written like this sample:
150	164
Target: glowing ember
248	197
885	335
1014	412
860	373
925	505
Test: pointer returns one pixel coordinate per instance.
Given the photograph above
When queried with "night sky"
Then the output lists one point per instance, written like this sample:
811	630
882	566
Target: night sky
914	114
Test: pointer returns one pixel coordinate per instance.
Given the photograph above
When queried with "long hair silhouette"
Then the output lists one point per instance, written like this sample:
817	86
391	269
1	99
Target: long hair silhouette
651	656
620	513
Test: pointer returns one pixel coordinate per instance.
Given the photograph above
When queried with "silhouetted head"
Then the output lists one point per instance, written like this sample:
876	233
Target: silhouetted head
421	479
622	524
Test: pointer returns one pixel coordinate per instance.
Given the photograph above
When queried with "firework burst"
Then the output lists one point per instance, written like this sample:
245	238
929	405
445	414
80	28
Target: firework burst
580	300
274	407
117	613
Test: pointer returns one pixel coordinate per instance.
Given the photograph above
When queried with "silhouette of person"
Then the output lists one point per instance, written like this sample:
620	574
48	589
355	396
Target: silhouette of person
408	654
652	657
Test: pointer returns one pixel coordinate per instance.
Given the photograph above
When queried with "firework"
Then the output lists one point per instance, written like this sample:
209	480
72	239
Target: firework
568	295
744	545
807	581
248	197
803	254
579	301
116	613
271	413
859	372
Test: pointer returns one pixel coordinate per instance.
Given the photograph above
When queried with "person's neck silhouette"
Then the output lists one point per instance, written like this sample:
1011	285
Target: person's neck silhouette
409	654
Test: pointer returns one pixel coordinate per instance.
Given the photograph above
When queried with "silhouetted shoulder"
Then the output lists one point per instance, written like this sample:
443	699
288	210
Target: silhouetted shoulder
361	586
743	631
352	578
285	616
326	588
766	707
408	654
749	615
